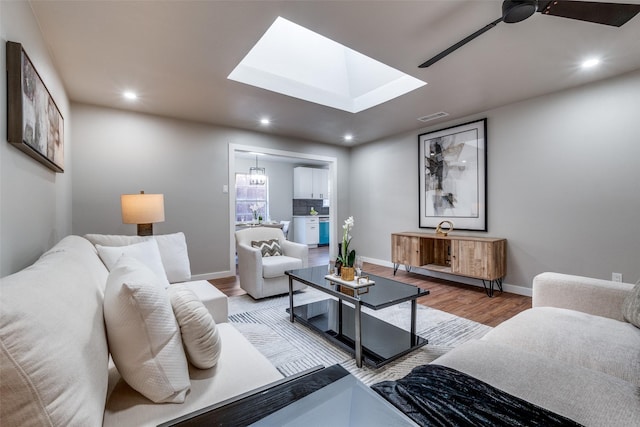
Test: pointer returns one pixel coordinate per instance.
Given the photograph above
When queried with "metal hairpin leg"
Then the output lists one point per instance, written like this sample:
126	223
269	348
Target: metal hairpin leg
396	266
489	289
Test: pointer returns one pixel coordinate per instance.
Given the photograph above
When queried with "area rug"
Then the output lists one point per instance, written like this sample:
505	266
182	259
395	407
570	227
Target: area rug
293	348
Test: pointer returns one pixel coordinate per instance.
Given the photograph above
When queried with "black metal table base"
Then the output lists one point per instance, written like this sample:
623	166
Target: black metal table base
369	339
382	342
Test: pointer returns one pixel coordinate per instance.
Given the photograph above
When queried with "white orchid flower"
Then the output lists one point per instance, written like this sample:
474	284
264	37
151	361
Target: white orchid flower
346	240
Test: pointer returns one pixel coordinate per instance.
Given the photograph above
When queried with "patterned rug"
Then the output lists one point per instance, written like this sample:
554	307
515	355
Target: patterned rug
292	347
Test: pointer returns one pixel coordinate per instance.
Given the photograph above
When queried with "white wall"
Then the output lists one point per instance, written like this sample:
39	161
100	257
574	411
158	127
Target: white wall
563	183
35	202
120	152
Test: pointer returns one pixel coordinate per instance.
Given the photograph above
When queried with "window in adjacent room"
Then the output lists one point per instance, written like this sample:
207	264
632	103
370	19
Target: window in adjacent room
248	196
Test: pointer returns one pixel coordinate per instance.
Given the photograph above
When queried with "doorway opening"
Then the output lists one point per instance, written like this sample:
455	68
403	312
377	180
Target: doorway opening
236	154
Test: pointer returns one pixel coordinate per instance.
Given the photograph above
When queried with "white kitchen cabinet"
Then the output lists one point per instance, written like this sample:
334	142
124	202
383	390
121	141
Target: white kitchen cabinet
306	230
310	183
320	184
302	183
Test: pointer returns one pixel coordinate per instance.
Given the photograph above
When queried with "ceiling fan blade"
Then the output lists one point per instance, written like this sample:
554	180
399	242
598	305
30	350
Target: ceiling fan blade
614	14
461	43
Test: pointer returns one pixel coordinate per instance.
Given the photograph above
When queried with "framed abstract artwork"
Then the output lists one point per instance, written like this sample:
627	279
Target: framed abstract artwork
34	122
453	176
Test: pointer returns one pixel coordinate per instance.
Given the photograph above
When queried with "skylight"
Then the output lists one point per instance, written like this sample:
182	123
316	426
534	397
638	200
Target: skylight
294	61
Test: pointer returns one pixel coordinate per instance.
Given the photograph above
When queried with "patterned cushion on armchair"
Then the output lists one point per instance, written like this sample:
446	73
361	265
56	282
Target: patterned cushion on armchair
268	247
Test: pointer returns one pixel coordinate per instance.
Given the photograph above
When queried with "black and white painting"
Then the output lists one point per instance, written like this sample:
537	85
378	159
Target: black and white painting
452	167
35	124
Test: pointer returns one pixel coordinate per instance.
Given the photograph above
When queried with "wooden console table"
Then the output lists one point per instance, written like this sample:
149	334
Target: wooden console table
481	258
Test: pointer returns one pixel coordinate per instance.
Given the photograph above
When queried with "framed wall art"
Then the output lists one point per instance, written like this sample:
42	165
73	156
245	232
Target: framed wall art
34	122
453	176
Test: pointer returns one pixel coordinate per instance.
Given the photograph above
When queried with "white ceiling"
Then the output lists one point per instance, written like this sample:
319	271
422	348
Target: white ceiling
177	56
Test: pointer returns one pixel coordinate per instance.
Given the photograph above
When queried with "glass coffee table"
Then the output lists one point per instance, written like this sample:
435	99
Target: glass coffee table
371	340
318	397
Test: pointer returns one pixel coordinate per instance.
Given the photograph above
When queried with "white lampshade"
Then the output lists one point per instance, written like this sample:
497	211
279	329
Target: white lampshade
142	208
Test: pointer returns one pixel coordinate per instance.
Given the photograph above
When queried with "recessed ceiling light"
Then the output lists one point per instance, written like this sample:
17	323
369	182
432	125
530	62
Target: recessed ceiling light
130	95
265	121
348	137
591	62
295	61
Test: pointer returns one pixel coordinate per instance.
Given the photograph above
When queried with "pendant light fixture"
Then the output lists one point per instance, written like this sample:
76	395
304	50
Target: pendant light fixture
257	176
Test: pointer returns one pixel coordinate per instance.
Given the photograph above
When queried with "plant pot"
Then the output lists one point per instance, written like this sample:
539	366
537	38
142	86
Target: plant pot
347	273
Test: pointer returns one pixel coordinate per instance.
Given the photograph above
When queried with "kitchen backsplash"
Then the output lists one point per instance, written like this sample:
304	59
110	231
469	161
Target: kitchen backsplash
303	206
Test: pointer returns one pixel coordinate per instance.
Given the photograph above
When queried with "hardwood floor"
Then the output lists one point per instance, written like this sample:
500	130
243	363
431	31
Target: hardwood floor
466	301
470	302
230	286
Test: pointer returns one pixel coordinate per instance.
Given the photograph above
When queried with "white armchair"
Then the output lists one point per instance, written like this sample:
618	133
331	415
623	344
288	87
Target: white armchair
264	276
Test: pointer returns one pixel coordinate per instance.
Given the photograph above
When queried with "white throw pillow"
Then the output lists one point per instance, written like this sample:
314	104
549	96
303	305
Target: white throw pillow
173	251
146	252
199	332
175	258
115	239
143	335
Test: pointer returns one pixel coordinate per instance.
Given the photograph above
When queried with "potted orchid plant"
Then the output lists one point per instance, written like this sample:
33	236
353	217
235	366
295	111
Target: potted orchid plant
346	258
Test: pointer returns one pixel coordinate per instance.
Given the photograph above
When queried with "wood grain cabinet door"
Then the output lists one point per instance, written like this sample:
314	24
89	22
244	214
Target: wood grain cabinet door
482	260
469	258
405	250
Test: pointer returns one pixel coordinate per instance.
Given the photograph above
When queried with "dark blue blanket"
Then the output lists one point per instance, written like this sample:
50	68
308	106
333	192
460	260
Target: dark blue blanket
434	395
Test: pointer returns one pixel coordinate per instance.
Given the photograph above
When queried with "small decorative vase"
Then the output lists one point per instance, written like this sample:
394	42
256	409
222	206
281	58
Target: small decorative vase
347	273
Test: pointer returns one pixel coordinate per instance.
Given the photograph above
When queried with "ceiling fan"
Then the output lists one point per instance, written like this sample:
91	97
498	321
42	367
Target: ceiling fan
614	14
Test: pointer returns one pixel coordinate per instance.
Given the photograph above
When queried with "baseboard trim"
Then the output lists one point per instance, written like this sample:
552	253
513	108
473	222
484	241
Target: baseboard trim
513	289
214	275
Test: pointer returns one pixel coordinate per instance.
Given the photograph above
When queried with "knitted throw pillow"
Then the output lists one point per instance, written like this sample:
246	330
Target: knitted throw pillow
268	247
199	333
143	334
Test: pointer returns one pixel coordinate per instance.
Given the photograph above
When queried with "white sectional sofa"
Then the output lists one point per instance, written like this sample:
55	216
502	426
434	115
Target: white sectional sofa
55	366
573	353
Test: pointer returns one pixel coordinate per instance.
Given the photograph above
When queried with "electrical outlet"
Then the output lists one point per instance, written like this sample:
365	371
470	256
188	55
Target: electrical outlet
616	277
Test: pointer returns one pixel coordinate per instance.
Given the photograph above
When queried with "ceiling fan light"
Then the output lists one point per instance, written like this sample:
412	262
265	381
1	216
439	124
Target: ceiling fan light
517	10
